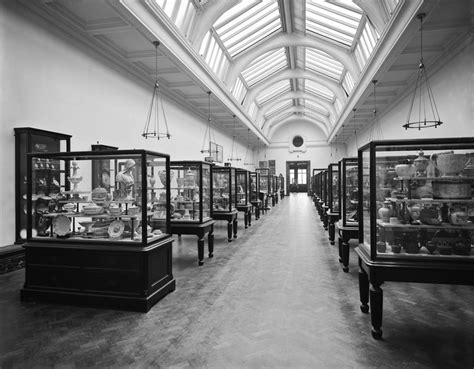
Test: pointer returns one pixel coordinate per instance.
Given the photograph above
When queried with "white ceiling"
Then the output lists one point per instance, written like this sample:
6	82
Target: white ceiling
123	31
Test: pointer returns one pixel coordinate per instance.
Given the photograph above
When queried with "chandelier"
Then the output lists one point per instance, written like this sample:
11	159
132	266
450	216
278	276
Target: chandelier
152	124
425	96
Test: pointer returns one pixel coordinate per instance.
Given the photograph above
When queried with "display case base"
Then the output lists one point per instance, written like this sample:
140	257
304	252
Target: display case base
200	230
346	233
129	277
11	258
247	210
231	218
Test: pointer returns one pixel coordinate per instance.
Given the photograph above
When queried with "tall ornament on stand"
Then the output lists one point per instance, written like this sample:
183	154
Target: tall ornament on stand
152	124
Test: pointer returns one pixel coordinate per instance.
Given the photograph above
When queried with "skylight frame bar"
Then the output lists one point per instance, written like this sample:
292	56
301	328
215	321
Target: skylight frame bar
270	62
334	36
237	13
315	89
323	63
317	108
350	23
254	10
339	8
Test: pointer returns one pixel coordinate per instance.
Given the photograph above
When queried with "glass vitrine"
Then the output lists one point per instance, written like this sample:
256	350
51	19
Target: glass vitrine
265	180
224	185
29	140
416	199
324	187
243	187
132	207
282	185
348	196
333	187
191	195
254	186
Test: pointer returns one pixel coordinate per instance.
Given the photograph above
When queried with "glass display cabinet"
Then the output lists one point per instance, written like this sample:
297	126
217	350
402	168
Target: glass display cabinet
265	187
282	186
34	140
333	212
105	245
243	195
324	199
416	213
224	188
348	199
191	203
255	193
276	189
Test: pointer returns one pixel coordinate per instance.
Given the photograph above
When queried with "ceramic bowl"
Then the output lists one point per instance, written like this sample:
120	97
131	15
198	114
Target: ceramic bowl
450	164
69	207
404	171
115	210
133	210
92	209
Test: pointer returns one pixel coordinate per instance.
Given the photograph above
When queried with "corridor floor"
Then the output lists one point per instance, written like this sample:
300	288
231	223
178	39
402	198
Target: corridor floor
275	297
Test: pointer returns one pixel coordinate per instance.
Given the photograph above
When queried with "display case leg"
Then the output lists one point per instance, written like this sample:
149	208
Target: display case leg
345	254
246	217
364	291
376	307
249	217
332	231
229	231
234	224
210	243
339	245
201	250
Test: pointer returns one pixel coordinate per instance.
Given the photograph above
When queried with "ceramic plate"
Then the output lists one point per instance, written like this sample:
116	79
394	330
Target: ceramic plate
61	225
116	229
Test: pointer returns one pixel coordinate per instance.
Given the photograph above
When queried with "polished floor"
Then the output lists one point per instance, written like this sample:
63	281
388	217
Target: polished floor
276	297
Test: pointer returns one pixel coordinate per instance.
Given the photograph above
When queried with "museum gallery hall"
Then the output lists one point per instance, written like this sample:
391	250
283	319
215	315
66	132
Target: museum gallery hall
237	184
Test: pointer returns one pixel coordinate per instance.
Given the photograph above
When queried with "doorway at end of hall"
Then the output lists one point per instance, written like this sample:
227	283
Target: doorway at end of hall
297	175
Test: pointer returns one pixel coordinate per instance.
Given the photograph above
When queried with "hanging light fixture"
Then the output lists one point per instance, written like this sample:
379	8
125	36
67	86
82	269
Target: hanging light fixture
152	124
246	161
425	95
208	134
232	157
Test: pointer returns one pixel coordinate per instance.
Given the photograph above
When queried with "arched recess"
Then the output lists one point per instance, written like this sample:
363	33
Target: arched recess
297	95
300	112
332	85
292	120
206	19
340	54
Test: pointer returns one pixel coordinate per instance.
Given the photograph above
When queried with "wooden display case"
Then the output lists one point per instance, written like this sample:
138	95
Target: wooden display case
416	213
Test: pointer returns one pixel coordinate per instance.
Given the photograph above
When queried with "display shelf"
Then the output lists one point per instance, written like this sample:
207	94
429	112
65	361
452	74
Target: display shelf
415	221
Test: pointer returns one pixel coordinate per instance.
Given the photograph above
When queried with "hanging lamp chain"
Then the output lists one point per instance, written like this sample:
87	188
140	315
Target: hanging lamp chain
156	103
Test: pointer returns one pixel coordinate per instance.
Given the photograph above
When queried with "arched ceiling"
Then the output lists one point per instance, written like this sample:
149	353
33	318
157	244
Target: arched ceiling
269	62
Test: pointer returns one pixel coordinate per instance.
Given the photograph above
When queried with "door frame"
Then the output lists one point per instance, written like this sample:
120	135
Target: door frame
308	171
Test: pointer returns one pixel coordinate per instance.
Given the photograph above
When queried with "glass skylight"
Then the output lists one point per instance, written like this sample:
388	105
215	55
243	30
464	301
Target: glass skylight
320	62
366	43
273	91
239	91
264	66
319	90
214	55
181	12
315	107
335	20
279	107
248	23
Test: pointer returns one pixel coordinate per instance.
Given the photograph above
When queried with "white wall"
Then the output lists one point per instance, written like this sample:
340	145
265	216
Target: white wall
51	83
318	152
453	89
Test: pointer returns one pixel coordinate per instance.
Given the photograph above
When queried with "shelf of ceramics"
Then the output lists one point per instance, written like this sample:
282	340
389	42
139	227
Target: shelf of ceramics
443	225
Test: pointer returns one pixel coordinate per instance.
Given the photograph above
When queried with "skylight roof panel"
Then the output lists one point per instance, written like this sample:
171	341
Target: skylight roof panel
248	26
317	108
234	12
264	66
321	62
319	90
336	20
278	108
273	91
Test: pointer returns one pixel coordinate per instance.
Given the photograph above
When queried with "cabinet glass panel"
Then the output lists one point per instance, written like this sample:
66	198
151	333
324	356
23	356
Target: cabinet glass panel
133	208
265	183
224	189
191	196
349	193
324	188
243	187
254	186
282	183
333	187
417	198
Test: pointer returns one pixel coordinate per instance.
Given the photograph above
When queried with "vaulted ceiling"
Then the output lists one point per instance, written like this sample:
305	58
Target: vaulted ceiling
270	62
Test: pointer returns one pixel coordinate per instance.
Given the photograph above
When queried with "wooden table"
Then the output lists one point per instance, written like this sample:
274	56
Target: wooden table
231	218
200	230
